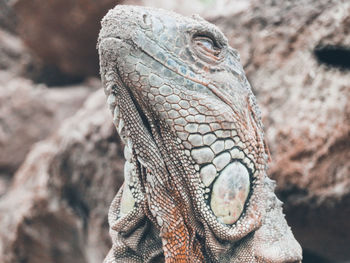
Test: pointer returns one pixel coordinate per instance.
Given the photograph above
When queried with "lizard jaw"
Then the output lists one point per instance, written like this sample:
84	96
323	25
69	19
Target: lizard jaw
233	228
211	190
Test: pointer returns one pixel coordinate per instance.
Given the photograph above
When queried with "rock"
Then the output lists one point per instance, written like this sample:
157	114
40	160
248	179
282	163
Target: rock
17	58
63	33
29	113
207	8
305	99
14	56
56	209
5	181
7	17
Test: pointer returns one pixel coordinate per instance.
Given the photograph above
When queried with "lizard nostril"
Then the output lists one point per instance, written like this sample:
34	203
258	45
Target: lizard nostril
146	19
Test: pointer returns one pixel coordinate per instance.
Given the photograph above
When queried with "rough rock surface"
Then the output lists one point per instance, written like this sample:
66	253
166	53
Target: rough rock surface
29	113
14	56
68	39
56	209
7	17
207	8
306	106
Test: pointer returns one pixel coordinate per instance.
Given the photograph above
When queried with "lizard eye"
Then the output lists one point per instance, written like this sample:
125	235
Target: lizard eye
205	42
206	45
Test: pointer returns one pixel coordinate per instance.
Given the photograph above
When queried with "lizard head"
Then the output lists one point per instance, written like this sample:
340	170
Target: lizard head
195	150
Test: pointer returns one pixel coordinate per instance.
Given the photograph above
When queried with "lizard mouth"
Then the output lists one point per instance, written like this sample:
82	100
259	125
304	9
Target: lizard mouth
133	127
146	121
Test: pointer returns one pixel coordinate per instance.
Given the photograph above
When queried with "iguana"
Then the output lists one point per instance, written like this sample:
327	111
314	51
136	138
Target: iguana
195	188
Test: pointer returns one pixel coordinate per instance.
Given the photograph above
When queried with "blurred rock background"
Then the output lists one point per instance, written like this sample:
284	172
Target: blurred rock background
61	160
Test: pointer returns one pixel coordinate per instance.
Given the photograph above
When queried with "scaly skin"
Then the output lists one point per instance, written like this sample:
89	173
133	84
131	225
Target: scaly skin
195	186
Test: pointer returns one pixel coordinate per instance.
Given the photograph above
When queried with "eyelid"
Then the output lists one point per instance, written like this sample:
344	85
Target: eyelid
207	38
212	55
215	49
